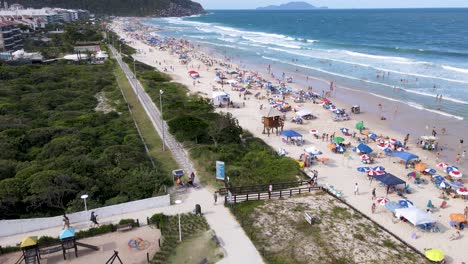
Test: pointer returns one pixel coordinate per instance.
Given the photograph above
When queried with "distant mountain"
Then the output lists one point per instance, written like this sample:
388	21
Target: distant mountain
290	6
162	8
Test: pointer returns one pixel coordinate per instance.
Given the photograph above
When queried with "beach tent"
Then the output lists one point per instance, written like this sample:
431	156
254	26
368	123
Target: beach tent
391	206
389	180
414	215
406	156
313	151
364	148
220	98
304	112
290	133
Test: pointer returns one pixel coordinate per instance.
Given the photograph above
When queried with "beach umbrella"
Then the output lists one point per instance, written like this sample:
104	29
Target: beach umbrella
462	191
437	177
28	241
338	139
344	130
192	72
391	206
340	149
430	171
393	140
444	184
387	150
434	254
459	218
442	165
66	233
404	203
313	131
372	136
242	90
364	148
382	200
400	149
363	169
378	168
365	157
331	146
398	143
451	168
365	132
313	151
375	173
455	174
380	141
456	185
420	166
360	125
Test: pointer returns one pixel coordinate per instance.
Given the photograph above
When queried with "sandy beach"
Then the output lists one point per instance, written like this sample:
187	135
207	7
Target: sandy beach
338	171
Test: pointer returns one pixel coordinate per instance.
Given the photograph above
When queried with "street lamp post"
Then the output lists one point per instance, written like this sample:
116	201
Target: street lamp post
84	196
162	120
134	69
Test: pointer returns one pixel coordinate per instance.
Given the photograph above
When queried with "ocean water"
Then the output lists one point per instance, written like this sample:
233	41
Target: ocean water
408	55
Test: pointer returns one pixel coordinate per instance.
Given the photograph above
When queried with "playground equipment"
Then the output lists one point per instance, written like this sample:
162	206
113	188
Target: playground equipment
30	250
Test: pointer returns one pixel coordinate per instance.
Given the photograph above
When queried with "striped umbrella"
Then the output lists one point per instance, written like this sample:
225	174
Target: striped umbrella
430	171
463	191
455	174
378	168
442	165
404	203
365	157
363	169
375	172
451	168
382	200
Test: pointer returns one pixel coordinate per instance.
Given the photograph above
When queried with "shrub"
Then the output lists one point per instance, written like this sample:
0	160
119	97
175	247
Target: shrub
48	241
95	231
128	221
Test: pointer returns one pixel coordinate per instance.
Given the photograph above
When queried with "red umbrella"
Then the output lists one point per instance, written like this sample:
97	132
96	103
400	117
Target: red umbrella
192	72
463	191
365	157
442	165
375	172
382	200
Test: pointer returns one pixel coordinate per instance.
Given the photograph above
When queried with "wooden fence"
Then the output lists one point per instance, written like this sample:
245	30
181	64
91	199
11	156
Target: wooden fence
262	195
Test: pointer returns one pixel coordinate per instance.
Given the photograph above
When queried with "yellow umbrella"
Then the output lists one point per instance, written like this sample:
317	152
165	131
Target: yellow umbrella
460	218
28	241
435	254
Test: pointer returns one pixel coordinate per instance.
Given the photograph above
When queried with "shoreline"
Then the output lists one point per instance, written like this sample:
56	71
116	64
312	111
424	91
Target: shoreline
338	172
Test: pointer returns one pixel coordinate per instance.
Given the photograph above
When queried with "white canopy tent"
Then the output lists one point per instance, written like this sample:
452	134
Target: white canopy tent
304	112
220	98
414	215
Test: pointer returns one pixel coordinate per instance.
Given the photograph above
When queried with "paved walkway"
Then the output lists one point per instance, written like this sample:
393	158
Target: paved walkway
238	247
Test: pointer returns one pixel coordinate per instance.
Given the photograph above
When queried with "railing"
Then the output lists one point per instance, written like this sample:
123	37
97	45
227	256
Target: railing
237	198
260	188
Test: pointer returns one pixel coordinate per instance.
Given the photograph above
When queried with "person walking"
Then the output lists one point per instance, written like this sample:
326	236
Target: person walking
270	189
66	222
373	208
356	189
215	196
373	194
93	219
457	158
466	212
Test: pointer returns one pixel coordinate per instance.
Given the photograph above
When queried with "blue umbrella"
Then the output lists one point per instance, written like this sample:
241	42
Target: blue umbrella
430	171
391	206
451	168
379	168
372	136
438	178
363	169
66	233
456	185
364	148
405	203
398	143
344	130
387	150
340	149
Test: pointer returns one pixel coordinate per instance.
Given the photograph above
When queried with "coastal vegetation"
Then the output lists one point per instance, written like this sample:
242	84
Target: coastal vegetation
124	7
338	235
56	146
212	136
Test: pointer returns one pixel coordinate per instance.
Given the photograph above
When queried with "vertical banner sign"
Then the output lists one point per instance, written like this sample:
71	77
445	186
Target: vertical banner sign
220	170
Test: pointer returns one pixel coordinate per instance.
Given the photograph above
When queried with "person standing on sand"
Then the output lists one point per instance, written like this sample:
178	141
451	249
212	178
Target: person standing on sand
356	189
457	158
373	194
466	212
215	196
373	208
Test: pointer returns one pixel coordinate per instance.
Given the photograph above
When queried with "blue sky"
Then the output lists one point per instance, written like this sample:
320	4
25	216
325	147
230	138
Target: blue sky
249	4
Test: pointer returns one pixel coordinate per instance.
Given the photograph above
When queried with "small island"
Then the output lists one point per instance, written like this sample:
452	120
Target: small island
290	6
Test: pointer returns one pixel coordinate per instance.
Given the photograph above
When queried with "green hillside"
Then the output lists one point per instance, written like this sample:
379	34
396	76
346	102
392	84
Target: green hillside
124	7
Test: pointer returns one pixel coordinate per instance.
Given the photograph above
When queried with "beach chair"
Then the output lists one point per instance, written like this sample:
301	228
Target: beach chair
443	204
